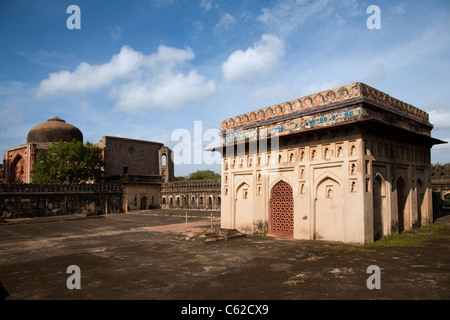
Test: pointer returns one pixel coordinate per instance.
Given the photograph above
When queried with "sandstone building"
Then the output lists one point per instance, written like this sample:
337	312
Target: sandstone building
140	167
349	164
18	162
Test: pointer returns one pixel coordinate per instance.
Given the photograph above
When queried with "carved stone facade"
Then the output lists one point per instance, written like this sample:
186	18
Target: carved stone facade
349	164
195	195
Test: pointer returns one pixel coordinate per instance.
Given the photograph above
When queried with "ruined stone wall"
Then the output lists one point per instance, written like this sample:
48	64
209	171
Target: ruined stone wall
18	164
440	178
37	200
133	157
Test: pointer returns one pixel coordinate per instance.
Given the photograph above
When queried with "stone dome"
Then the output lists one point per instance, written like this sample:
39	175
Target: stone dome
54	130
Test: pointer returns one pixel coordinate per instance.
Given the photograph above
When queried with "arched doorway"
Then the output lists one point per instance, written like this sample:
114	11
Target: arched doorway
378	207
282	210
401	203
144	203
420	196
210	202
16	172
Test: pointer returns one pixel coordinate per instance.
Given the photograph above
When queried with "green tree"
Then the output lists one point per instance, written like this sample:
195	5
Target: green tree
69	162
204	175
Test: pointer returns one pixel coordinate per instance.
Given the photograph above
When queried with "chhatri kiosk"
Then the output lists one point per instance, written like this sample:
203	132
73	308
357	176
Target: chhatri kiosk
349	164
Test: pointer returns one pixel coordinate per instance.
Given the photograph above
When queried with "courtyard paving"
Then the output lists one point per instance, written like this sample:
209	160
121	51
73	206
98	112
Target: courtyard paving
153	255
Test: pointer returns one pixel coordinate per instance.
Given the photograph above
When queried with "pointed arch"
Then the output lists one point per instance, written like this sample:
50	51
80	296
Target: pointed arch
329	221
143	203
401	203
16	170
420	197
281	178
241	183
243	206
326	176
379	206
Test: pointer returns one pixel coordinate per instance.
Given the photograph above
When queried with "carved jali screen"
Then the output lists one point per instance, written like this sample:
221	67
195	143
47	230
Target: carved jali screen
282	210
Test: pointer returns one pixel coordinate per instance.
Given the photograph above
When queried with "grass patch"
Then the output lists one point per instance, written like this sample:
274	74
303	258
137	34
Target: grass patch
416	238
405	239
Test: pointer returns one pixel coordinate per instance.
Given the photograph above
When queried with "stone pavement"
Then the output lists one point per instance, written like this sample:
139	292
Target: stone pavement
196	226
153	256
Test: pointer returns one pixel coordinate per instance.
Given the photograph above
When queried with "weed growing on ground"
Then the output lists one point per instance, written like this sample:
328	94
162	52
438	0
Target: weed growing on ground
415	238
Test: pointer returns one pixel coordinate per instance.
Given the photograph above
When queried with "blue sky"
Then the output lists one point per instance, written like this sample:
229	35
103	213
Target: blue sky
152	69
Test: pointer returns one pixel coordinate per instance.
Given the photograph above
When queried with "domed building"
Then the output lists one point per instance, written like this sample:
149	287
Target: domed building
18	162
142	167
54	130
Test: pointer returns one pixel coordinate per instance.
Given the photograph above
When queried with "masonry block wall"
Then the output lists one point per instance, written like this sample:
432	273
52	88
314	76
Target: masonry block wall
129	156
40	200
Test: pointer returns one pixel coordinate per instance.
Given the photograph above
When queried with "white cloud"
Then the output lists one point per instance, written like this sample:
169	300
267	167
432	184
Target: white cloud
206	4
166	90
137	81
115	32
440	119
440	152
166	58
256	61
286	16
88	77
224	23
400	9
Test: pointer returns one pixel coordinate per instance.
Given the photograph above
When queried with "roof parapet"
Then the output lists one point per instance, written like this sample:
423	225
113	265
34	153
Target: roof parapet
328	98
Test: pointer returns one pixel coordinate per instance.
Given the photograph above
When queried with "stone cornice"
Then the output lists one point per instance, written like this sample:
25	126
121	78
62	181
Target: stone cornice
327	99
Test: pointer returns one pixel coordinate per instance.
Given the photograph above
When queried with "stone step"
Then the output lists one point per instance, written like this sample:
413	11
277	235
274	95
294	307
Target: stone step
214	235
